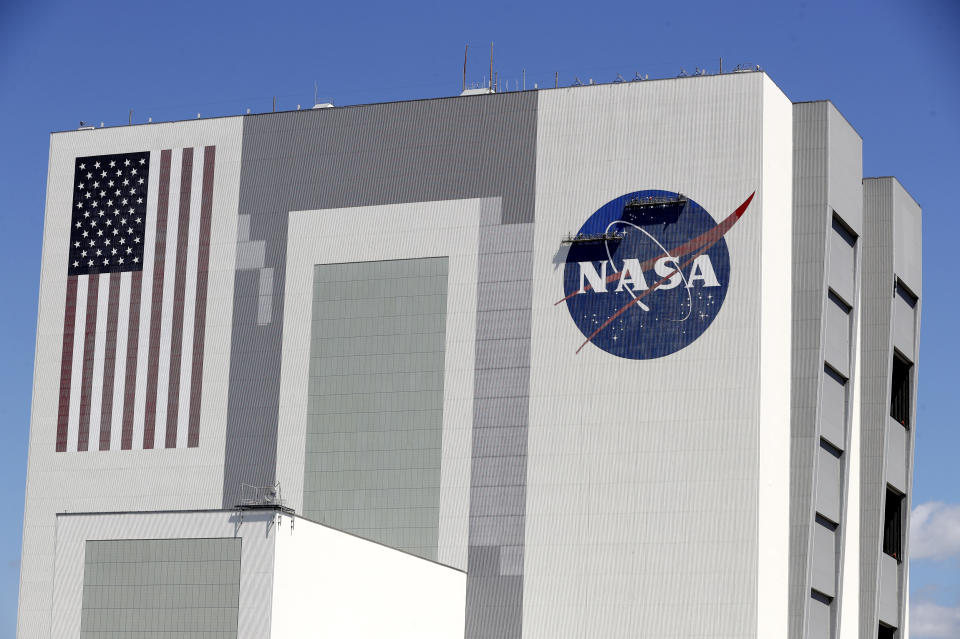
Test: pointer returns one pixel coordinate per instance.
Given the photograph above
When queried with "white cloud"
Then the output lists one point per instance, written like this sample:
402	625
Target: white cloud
935	531
930	621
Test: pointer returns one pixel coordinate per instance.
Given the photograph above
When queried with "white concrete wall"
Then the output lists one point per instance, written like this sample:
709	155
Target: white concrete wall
117	480
647	478
776	324
328	583
849	614
256	530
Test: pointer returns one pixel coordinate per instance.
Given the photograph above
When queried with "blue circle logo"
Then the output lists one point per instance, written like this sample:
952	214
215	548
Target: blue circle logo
647	273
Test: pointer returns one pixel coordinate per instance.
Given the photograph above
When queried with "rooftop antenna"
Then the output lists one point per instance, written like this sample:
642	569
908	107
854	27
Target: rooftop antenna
556	79
130	118
491	65
465	49
721	65
524	79
274	104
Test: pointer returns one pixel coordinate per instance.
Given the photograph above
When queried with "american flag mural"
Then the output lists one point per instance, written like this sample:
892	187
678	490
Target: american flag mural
135	314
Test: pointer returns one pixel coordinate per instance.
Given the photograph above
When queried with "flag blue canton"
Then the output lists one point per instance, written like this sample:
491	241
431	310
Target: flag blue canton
109	213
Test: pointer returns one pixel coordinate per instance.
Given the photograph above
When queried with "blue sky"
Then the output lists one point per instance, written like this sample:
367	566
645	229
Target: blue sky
892	68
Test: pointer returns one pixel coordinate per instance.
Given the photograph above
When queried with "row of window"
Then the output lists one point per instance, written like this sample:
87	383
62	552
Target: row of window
900	410
901	397
835	403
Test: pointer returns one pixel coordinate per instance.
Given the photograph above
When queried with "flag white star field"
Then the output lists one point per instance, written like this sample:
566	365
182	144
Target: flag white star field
135	312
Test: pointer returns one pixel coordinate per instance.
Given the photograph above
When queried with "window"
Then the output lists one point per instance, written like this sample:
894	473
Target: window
886	632
834	297
900	389
904	293
830	448
826	523
843	230
893	525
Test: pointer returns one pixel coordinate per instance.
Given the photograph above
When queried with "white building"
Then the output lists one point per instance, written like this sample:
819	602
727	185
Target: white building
613	360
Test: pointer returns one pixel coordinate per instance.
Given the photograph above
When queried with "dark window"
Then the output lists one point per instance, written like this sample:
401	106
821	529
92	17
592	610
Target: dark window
830	448
904	293
900	389
839	301
893	525
826	523
844	230
886	632
822	598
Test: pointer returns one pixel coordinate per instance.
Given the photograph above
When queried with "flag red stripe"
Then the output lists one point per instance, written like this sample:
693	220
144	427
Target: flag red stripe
200	309
89	343
156	302
180	283
130	377
109	361
66	362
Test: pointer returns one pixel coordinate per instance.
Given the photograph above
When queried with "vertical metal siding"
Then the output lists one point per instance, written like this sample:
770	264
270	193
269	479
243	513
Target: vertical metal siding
355	156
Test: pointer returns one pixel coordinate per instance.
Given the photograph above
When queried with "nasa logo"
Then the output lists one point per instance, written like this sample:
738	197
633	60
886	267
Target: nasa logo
647	273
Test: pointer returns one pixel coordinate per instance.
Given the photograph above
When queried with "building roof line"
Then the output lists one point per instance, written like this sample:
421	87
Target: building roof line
272	511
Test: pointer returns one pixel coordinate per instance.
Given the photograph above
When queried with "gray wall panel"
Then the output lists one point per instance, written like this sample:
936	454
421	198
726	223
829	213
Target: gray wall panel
829	485
373	435
810	215
904	327
898	440
843	266
874	406
846	170
827	181
501	411
355	156
161	588
891	250
837	337
907	237
818	619
888	610
833	410
824	575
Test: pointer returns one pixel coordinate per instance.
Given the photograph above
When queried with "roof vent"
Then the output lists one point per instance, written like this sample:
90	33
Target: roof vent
477	91
323	105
